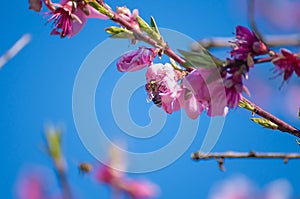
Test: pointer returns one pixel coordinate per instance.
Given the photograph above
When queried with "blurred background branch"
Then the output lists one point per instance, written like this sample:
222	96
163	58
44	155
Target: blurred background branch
53	140
271	40
15	49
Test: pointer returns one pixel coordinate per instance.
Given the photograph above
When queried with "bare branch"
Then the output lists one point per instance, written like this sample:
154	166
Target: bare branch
220	157
271	41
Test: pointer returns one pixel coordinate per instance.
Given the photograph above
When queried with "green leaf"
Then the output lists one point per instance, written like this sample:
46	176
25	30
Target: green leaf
99	8
53	139
147	29
215	75
244	104
144	25
118	32
175	66
153	25
265	123
198	59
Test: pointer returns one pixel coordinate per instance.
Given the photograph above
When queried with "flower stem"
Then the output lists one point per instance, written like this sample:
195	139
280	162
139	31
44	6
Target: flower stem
62	177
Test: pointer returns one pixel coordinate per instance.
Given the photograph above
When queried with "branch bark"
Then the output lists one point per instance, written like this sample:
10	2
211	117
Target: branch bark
239	155
282	126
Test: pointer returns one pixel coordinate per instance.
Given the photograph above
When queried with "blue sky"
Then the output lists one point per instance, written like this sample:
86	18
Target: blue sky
36	89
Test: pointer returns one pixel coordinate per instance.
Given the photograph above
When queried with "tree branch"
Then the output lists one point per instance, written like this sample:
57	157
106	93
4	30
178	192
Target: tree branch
282	126
220	157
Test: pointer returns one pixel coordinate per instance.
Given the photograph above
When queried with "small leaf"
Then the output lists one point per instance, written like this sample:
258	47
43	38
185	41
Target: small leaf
118	32
53	139
99	8
244	104
198	60
153	25
265	123
147	29
144	25
213	76
175	66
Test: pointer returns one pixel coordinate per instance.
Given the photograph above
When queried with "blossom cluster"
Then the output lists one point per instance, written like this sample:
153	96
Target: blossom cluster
215	88
195	88
167	87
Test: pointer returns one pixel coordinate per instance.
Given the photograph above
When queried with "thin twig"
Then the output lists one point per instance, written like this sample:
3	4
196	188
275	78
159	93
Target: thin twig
15	49
251	18
282	126
53	140
271	41
62	177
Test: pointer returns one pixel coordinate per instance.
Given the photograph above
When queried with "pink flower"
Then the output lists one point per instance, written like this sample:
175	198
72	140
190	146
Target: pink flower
136	59
234	88
138	189
35	5
162	86
287	63
126	14
247	43
31	187
190	104
241	188
236	188
119	182
210	94
69	17
108	175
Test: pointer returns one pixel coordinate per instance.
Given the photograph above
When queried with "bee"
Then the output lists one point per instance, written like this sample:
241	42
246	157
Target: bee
84	167
154	89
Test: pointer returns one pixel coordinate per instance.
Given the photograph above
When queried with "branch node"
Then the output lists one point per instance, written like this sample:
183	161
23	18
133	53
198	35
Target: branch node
252	154
221	163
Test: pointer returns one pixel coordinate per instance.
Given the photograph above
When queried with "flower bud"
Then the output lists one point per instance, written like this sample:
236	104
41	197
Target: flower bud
136	59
